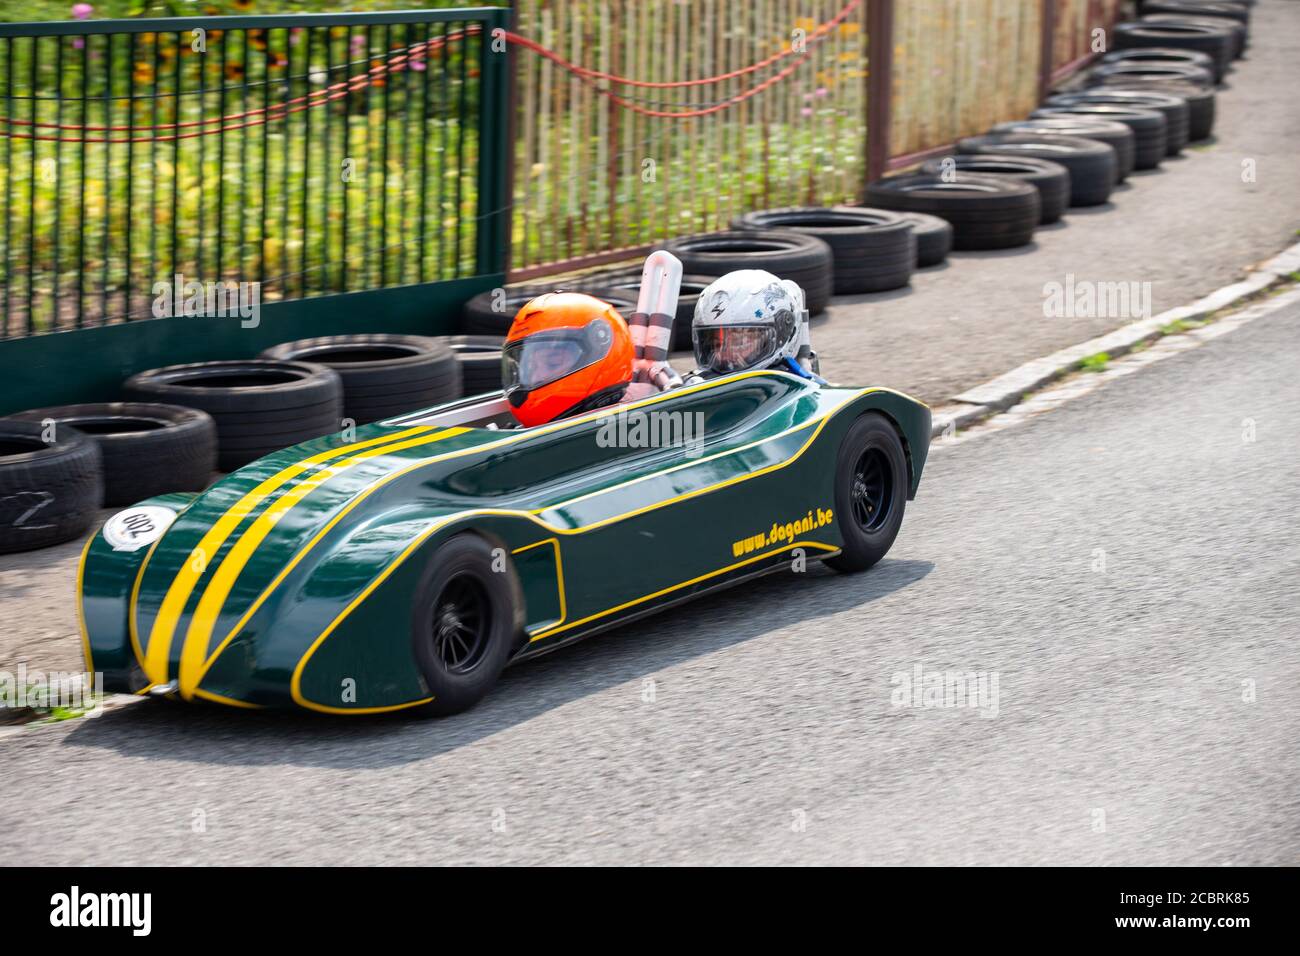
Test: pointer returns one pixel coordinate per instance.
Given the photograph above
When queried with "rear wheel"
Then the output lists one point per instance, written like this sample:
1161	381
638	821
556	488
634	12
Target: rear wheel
465	622
870	492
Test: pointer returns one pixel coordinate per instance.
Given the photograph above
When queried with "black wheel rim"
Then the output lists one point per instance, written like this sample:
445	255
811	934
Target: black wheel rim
871	493
461	623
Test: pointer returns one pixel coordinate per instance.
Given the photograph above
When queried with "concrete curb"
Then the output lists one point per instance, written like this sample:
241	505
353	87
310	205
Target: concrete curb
1008	389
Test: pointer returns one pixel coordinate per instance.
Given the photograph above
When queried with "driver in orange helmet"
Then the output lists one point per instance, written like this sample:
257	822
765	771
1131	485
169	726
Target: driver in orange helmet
566	353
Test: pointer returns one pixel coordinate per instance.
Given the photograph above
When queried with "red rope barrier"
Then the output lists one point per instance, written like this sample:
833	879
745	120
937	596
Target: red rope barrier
337	91
816	36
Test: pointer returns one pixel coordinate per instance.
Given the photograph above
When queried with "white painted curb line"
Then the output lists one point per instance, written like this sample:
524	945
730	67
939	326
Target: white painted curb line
1007	389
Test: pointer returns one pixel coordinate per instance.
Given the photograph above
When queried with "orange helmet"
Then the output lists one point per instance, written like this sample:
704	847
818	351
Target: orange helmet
565	353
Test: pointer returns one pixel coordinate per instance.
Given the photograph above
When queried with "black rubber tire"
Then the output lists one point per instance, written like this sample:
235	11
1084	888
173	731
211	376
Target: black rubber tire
629	281
1161	56
1051	179
1115	135
259	405
986	212
1218	43
1201	100
50	492
472	556
480	317
380	371
1091	164
1238	33
1175	109
933	238
1130	71
873	437
146	449
479	358
1150	131
874	249
1197	8
803	259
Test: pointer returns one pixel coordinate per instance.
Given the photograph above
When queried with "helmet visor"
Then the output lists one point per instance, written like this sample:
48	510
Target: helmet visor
733	348
545	357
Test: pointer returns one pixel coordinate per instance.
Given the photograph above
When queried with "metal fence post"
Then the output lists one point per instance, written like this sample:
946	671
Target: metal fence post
494	150
880	76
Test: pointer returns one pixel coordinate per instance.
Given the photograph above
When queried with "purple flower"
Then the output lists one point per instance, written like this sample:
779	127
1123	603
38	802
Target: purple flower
82	11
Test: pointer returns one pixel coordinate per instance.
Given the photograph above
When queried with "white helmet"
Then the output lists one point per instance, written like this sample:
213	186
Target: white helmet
745	320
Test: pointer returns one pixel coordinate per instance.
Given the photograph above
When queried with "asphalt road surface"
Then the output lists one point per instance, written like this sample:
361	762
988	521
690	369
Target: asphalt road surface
1127	566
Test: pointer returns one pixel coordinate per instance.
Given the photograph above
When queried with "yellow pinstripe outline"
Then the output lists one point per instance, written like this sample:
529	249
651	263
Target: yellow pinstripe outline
81	612
559	573
677	587
228	701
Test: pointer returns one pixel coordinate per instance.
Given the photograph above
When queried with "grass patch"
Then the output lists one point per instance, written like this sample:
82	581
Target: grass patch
1183	325
1095	363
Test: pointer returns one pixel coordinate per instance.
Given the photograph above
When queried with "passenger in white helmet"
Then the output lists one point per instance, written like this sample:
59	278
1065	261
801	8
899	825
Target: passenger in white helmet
748	320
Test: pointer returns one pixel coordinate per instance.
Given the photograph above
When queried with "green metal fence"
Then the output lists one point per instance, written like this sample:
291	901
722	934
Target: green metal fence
312	154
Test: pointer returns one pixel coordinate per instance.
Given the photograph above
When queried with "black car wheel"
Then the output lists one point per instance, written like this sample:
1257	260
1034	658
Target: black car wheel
870	492
466	620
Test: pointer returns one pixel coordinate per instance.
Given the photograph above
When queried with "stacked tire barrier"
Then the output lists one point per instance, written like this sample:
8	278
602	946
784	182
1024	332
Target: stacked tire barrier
871	250
381	375
259	405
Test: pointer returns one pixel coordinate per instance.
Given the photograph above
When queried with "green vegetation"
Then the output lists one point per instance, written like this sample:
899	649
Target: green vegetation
1095	363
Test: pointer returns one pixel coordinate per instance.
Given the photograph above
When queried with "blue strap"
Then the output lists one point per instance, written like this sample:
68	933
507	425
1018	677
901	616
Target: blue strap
793	366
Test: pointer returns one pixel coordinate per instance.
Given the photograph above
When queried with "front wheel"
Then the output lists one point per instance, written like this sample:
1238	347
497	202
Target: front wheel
466	618
870	492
